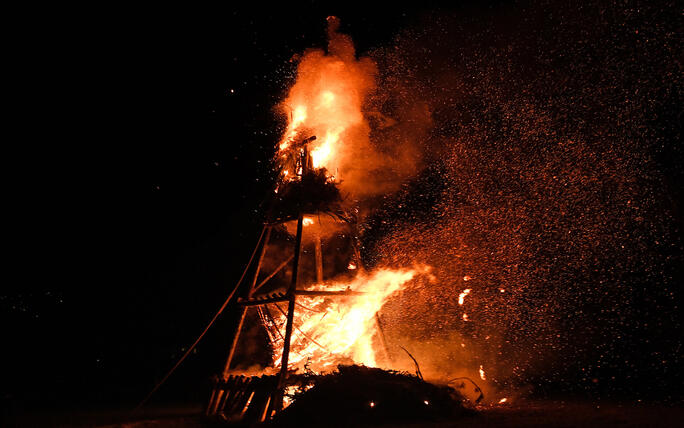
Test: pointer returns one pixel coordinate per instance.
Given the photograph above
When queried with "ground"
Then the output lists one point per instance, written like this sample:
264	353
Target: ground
523	414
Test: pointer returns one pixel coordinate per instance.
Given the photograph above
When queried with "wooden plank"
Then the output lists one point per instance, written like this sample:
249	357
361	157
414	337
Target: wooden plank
239	399
210	404
314	293
267	406
264	301
306	293
220	395
247	404
230	387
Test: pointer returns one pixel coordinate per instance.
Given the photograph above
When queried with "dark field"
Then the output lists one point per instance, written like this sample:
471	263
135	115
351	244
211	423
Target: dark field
522	414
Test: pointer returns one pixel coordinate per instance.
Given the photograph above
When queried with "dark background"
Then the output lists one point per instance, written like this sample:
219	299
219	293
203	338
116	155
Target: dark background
138	146
138	155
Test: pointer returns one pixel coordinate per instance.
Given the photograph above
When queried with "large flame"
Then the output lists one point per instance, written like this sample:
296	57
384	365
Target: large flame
331	330
326	101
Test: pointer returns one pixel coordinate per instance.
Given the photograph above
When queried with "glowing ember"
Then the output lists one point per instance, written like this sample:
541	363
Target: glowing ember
307	221
287	397
465	317
482	373
462	296
351	266
503	400
371	404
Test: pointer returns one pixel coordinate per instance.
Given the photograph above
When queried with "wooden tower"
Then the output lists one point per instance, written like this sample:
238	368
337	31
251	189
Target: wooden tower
260	397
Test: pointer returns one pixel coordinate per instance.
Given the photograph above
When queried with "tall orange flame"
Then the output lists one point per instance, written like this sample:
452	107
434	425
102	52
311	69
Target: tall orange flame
326	101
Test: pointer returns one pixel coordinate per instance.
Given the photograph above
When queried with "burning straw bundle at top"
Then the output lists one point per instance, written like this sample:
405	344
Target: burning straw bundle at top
307	191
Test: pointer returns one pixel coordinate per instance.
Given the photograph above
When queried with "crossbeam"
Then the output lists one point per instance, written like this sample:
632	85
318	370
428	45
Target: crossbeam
305	293
263	301
314	293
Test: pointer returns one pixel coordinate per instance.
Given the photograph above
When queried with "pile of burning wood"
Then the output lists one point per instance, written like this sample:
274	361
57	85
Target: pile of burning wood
348	396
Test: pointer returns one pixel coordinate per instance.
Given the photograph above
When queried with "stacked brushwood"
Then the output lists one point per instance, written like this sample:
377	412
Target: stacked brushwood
358	395
313	193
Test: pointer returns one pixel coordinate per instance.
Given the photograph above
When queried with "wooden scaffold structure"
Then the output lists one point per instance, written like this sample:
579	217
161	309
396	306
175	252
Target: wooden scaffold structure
258	398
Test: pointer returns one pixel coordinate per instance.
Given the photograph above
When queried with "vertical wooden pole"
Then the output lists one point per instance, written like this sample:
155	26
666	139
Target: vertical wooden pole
292	297
319	255
250	291
267	406
278	404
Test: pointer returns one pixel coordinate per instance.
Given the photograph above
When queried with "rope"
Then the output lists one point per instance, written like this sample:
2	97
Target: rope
230	296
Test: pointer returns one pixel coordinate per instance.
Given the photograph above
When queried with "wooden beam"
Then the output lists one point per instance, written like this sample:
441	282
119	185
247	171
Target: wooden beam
274	273
278	404
318	251
266	301
315	293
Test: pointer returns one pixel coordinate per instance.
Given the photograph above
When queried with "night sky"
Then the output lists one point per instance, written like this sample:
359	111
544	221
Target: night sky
139	150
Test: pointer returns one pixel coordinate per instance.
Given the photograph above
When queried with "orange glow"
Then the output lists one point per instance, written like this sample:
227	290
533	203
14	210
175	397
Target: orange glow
503	400
307	221
482	373
462	296
326	101
297	118
287	397
338	329
465	317
323	152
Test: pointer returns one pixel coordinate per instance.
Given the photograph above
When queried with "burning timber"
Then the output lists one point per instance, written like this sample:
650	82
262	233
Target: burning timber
336	320
308	191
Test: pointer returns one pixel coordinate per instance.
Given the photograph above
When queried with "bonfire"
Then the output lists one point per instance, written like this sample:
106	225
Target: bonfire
322	318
